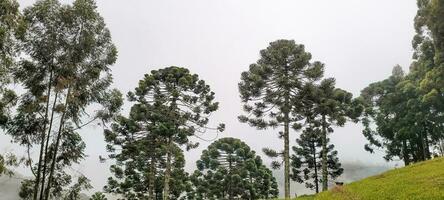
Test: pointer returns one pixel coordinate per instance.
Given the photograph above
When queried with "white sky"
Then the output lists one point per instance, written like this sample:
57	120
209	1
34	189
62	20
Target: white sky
358	40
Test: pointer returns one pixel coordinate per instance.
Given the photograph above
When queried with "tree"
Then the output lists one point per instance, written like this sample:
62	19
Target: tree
229	169
328	106
10	29
65	68
98	196
188	103
270	91
140	152
404	126
306	160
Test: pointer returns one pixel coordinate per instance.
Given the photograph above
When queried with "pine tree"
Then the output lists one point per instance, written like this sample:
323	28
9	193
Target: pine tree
328	106
270	91
188	103
307	157
139	148
229	169
64	69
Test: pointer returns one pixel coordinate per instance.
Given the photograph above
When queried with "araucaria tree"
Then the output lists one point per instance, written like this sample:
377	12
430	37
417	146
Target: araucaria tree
306	161
229	169
326	106
270	91
64	69
138	145
184	103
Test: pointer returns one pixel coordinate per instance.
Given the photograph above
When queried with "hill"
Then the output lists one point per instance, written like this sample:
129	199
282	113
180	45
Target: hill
424	180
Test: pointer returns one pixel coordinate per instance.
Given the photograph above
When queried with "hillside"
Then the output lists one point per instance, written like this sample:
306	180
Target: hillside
423	180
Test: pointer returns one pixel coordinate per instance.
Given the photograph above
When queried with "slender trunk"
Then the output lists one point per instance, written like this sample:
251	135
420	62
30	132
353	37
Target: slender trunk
324	155
405	154
56	148
316	181
166	193
287	156
42	142
152	177
442	147
422	146
230	186
426	143
45	162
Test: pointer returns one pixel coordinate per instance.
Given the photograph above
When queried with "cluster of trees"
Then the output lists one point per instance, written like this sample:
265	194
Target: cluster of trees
404	113
60	55
284	88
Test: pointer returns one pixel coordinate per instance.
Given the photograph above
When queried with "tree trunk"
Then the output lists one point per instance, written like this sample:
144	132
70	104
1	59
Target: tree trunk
315	168
426	143
405	154
230	186
42	143
45	162
287	156
166	192
324	155
56	148
152	177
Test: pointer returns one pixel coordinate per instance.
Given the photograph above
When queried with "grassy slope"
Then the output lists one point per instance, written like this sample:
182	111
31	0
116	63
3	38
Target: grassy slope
423	180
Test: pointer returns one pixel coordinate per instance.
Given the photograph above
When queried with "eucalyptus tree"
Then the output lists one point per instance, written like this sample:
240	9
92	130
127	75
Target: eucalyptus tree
398	121
64	69
329	106
139	148
229	169
188	103
270	91
306	160
10	30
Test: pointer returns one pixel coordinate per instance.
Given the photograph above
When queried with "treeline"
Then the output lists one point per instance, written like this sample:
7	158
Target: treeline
61	56
404	113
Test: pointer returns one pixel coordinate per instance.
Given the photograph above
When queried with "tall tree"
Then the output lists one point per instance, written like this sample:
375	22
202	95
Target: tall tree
229	169
188	103
10	29
397	120
330	106
306	160
65	68
270	91
139	148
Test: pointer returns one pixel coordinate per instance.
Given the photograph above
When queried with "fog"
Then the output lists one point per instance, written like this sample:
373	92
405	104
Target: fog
359	41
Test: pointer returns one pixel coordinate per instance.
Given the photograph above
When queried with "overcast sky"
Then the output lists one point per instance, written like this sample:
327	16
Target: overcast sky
358	40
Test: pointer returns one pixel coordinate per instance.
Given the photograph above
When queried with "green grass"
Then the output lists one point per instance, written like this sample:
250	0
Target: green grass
421	181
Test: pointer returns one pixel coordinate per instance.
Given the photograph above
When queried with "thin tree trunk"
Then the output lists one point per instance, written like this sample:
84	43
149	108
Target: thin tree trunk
324	155
230	186
152	175
42	143
166	193
56	148
315	168
287	156
45	162
405	154
426	143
